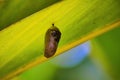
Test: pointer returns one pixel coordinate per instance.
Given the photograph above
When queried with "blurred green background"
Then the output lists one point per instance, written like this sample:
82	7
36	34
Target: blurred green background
97	59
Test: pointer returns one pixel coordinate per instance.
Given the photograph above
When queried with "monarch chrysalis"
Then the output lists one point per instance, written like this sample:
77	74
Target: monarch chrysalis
52	38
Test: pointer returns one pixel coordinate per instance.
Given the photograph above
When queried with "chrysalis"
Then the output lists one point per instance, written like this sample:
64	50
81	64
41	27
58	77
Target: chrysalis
52	38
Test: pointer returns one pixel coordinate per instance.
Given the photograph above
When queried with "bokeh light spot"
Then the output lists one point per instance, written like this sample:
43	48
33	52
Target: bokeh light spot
72	57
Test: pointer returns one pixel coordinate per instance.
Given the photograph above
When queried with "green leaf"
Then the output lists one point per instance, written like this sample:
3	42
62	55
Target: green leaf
78	21
12	11
106	50
46	69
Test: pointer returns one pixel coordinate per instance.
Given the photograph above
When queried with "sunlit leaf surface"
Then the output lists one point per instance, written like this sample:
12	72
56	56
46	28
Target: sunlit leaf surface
78	21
